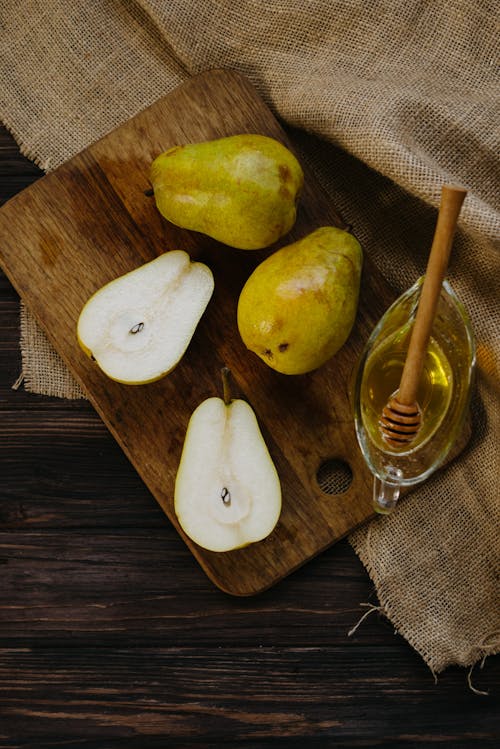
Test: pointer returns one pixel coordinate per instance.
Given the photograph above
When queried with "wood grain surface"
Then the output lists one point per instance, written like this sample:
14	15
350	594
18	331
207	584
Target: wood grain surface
111	635
90	221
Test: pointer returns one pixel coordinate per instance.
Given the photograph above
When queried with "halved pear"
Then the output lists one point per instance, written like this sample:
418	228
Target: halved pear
138	326
227	490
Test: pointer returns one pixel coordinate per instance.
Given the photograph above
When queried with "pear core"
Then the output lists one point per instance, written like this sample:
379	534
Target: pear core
298	307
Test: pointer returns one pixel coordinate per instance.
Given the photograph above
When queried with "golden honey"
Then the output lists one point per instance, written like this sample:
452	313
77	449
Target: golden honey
381	378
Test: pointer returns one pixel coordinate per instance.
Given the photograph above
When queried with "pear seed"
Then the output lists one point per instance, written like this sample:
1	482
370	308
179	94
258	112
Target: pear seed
225	495
137	328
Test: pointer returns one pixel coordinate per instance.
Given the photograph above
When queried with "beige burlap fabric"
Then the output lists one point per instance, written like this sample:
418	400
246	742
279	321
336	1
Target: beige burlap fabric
385	100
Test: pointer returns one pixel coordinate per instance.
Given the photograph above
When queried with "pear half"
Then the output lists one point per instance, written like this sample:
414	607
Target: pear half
138	326
227	490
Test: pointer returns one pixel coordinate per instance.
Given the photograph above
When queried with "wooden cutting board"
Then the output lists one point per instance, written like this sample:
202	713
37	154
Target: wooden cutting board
90	221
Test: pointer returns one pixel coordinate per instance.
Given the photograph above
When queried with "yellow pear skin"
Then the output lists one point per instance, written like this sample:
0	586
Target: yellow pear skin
241	190
298	307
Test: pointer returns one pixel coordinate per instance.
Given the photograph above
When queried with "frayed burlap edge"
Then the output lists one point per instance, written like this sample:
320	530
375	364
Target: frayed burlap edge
25	150
360	542
43	370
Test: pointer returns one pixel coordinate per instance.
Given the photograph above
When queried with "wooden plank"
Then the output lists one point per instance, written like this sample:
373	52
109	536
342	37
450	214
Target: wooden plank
16	172
90	221
141	585
315	697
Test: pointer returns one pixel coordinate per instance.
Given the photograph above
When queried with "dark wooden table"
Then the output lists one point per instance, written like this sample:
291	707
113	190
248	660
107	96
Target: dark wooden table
112	636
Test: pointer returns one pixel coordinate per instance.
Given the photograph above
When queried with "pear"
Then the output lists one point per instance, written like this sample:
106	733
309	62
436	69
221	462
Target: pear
227	490
241	190
298	307
138	326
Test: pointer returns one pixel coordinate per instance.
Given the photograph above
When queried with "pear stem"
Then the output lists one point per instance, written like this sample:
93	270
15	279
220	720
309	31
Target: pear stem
226	385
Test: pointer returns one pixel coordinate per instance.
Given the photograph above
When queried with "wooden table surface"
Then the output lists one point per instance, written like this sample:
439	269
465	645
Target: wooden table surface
112	636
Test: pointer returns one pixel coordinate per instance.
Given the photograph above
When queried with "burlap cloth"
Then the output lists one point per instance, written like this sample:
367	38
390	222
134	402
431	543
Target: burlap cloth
385	100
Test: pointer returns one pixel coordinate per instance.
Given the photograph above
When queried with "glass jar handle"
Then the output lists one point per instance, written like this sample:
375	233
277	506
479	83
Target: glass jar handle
386	491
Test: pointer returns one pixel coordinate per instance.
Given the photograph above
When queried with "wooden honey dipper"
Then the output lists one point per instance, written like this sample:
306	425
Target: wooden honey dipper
401	418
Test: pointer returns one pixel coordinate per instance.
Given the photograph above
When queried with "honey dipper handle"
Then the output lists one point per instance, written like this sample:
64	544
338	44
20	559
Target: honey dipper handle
451	202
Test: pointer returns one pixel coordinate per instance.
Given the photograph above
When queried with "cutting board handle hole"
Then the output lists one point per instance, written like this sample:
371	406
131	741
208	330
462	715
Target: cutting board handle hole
334	476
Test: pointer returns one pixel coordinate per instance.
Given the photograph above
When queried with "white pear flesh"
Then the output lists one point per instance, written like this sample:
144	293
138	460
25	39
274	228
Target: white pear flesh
227	489
139	326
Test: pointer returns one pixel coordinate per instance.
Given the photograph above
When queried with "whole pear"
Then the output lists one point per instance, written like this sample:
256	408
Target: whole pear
298	307
241	190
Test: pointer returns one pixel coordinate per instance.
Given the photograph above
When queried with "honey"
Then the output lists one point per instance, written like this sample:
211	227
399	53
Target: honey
381	378
443	396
